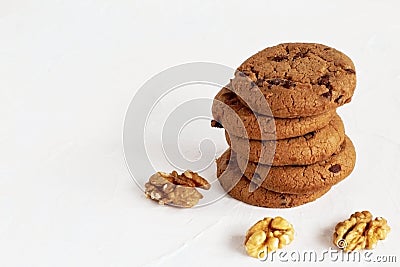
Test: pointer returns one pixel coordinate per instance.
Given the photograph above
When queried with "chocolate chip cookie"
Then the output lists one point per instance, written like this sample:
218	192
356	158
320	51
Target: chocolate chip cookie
240	188
295	80
239	120
303	150
302	179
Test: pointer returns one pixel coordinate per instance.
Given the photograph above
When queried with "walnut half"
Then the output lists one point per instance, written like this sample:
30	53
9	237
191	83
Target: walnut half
174	189
268	235
360	231
188	178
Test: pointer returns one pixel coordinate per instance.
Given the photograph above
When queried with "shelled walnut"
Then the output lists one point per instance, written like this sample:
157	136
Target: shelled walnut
360	231
174	189
268	235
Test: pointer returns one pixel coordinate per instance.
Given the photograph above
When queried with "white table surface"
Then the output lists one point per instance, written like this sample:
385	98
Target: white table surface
68	71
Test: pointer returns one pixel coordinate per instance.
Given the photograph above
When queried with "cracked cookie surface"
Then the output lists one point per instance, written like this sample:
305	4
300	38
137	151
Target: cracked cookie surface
302	179
239	120
238	187
303	150
295	80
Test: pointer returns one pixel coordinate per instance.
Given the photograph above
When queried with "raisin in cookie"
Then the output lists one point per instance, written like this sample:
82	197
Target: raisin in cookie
239	120
295	80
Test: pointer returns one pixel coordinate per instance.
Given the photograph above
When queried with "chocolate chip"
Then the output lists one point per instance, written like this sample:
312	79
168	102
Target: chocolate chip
279	58
283	82
309	135
216	124
274	81
298	55
301	54
350	71
327	94
324	80
254	71
335	168
287	84
241	74
338	100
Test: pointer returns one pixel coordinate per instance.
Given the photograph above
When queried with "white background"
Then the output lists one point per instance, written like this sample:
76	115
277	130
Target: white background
68	70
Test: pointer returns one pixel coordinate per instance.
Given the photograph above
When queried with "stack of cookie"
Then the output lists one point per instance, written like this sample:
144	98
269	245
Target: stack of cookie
287	144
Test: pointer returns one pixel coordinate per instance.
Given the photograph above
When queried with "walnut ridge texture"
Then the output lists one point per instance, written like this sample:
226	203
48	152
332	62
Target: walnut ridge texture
268	234
360	231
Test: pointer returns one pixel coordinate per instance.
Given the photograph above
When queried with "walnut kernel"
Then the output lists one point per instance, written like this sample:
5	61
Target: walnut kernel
360	231
267	235
174	189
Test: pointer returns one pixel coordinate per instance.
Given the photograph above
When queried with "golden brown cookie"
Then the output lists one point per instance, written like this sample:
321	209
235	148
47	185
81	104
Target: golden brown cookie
303	150
302	179
295	80
238	187
239	120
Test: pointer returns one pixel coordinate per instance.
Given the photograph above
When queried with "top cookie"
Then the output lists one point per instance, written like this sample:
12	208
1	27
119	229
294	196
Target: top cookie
295	80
